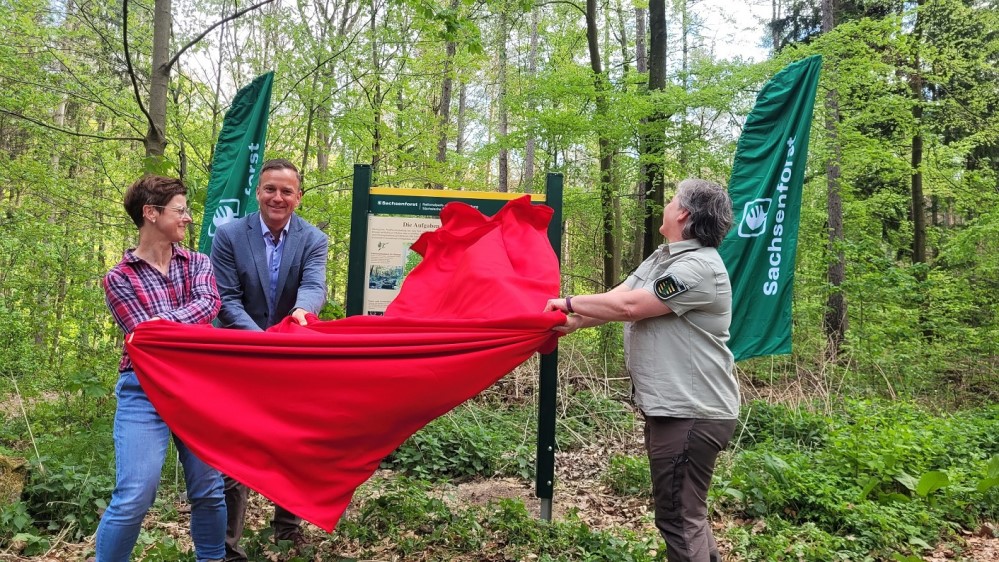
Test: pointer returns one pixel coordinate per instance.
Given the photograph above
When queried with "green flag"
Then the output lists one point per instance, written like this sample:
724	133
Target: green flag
767	177
238	156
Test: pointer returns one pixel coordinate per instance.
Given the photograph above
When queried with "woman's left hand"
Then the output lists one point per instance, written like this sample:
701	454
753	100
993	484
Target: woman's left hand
573	322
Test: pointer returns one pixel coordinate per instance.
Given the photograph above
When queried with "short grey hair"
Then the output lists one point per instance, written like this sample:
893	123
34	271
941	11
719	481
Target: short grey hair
710	210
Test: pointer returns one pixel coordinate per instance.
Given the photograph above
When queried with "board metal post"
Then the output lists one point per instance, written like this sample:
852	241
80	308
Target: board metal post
544	485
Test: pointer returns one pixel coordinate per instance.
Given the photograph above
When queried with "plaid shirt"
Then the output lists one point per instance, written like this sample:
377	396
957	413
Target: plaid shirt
136	291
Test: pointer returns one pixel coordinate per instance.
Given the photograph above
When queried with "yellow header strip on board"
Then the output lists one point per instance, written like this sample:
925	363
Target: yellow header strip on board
445	193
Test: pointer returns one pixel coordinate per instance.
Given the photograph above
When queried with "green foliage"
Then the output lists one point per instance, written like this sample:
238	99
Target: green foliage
66	426
524	535
260	545
475	440
407	518
774	539
991	478
629	476
886	476
447	449
157	547
18	357
29	544
68	497
469	441
781	426
70	483
15	520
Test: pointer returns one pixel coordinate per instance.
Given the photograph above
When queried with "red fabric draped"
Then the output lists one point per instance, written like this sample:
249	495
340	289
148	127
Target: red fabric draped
304	414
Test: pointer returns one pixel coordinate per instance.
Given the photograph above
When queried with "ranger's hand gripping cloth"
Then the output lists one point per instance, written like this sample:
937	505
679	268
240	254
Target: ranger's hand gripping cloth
353	390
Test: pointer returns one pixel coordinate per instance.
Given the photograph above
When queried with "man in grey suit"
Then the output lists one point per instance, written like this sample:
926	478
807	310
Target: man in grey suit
268	265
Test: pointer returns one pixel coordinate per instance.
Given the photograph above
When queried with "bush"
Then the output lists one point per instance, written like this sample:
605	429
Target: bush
469	441
476	440
68	496
887	476
629	476
782	425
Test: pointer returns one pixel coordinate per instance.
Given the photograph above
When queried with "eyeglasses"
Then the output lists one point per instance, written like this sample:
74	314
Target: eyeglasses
180	210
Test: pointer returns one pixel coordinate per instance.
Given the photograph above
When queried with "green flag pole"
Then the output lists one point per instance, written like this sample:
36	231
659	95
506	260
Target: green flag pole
767	177
238	155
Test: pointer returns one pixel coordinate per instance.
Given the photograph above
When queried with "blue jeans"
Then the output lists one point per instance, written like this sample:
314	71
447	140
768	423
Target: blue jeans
140	445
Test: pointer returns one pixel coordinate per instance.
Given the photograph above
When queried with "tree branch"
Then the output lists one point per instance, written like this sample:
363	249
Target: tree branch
194	41
67	131
573	4
128	62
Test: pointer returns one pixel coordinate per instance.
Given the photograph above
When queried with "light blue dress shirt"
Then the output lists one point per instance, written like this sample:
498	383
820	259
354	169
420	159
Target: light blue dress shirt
274	250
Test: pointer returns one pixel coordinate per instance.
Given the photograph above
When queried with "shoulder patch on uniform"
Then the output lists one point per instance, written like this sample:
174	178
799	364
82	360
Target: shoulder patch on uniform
669	286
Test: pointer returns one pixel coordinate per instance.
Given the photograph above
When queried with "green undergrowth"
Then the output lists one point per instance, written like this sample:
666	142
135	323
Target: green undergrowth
841	480
477	439
409	519
866	481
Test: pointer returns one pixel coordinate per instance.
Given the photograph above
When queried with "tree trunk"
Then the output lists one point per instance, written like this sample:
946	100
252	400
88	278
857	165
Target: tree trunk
918	211
916	86
323	141
685	28
376	102
654	139
159	80
616	233
606	187
641	56
622	30
447	85
835	317
444	109
641	65
532	71
459	140
504	117
216	104
775	14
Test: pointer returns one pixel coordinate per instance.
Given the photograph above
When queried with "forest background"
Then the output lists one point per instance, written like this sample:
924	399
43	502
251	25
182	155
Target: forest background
876	439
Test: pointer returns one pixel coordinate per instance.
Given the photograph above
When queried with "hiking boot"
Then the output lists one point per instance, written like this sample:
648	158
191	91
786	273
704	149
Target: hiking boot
297	540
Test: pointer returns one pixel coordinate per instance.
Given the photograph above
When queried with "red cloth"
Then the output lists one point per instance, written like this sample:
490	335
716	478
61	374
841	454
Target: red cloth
304	414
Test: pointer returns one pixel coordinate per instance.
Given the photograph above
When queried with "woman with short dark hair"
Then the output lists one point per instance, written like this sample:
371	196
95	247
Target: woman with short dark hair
677	307
158	279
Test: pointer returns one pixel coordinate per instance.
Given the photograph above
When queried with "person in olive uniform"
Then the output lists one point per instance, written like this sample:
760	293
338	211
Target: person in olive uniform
677	308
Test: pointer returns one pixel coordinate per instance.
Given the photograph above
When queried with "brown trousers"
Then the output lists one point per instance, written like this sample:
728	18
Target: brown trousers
682	454
285	523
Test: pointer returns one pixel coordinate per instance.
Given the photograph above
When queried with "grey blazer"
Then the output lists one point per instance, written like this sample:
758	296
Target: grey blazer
239	259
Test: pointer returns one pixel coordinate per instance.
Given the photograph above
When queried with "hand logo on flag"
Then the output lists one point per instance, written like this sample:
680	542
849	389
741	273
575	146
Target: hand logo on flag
754	218
228	210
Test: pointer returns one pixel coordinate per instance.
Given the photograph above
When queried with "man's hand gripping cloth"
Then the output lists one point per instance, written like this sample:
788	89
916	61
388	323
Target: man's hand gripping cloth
353	390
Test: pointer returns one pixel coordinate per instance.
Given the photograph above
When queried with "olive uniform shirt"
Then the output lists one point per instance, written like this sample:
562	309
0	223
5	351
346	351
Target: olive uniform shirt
679	363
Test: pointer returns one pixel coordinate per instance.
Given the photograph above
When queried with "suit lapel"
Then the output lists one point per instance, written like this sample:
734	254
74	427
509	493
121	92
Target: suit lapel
258	253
